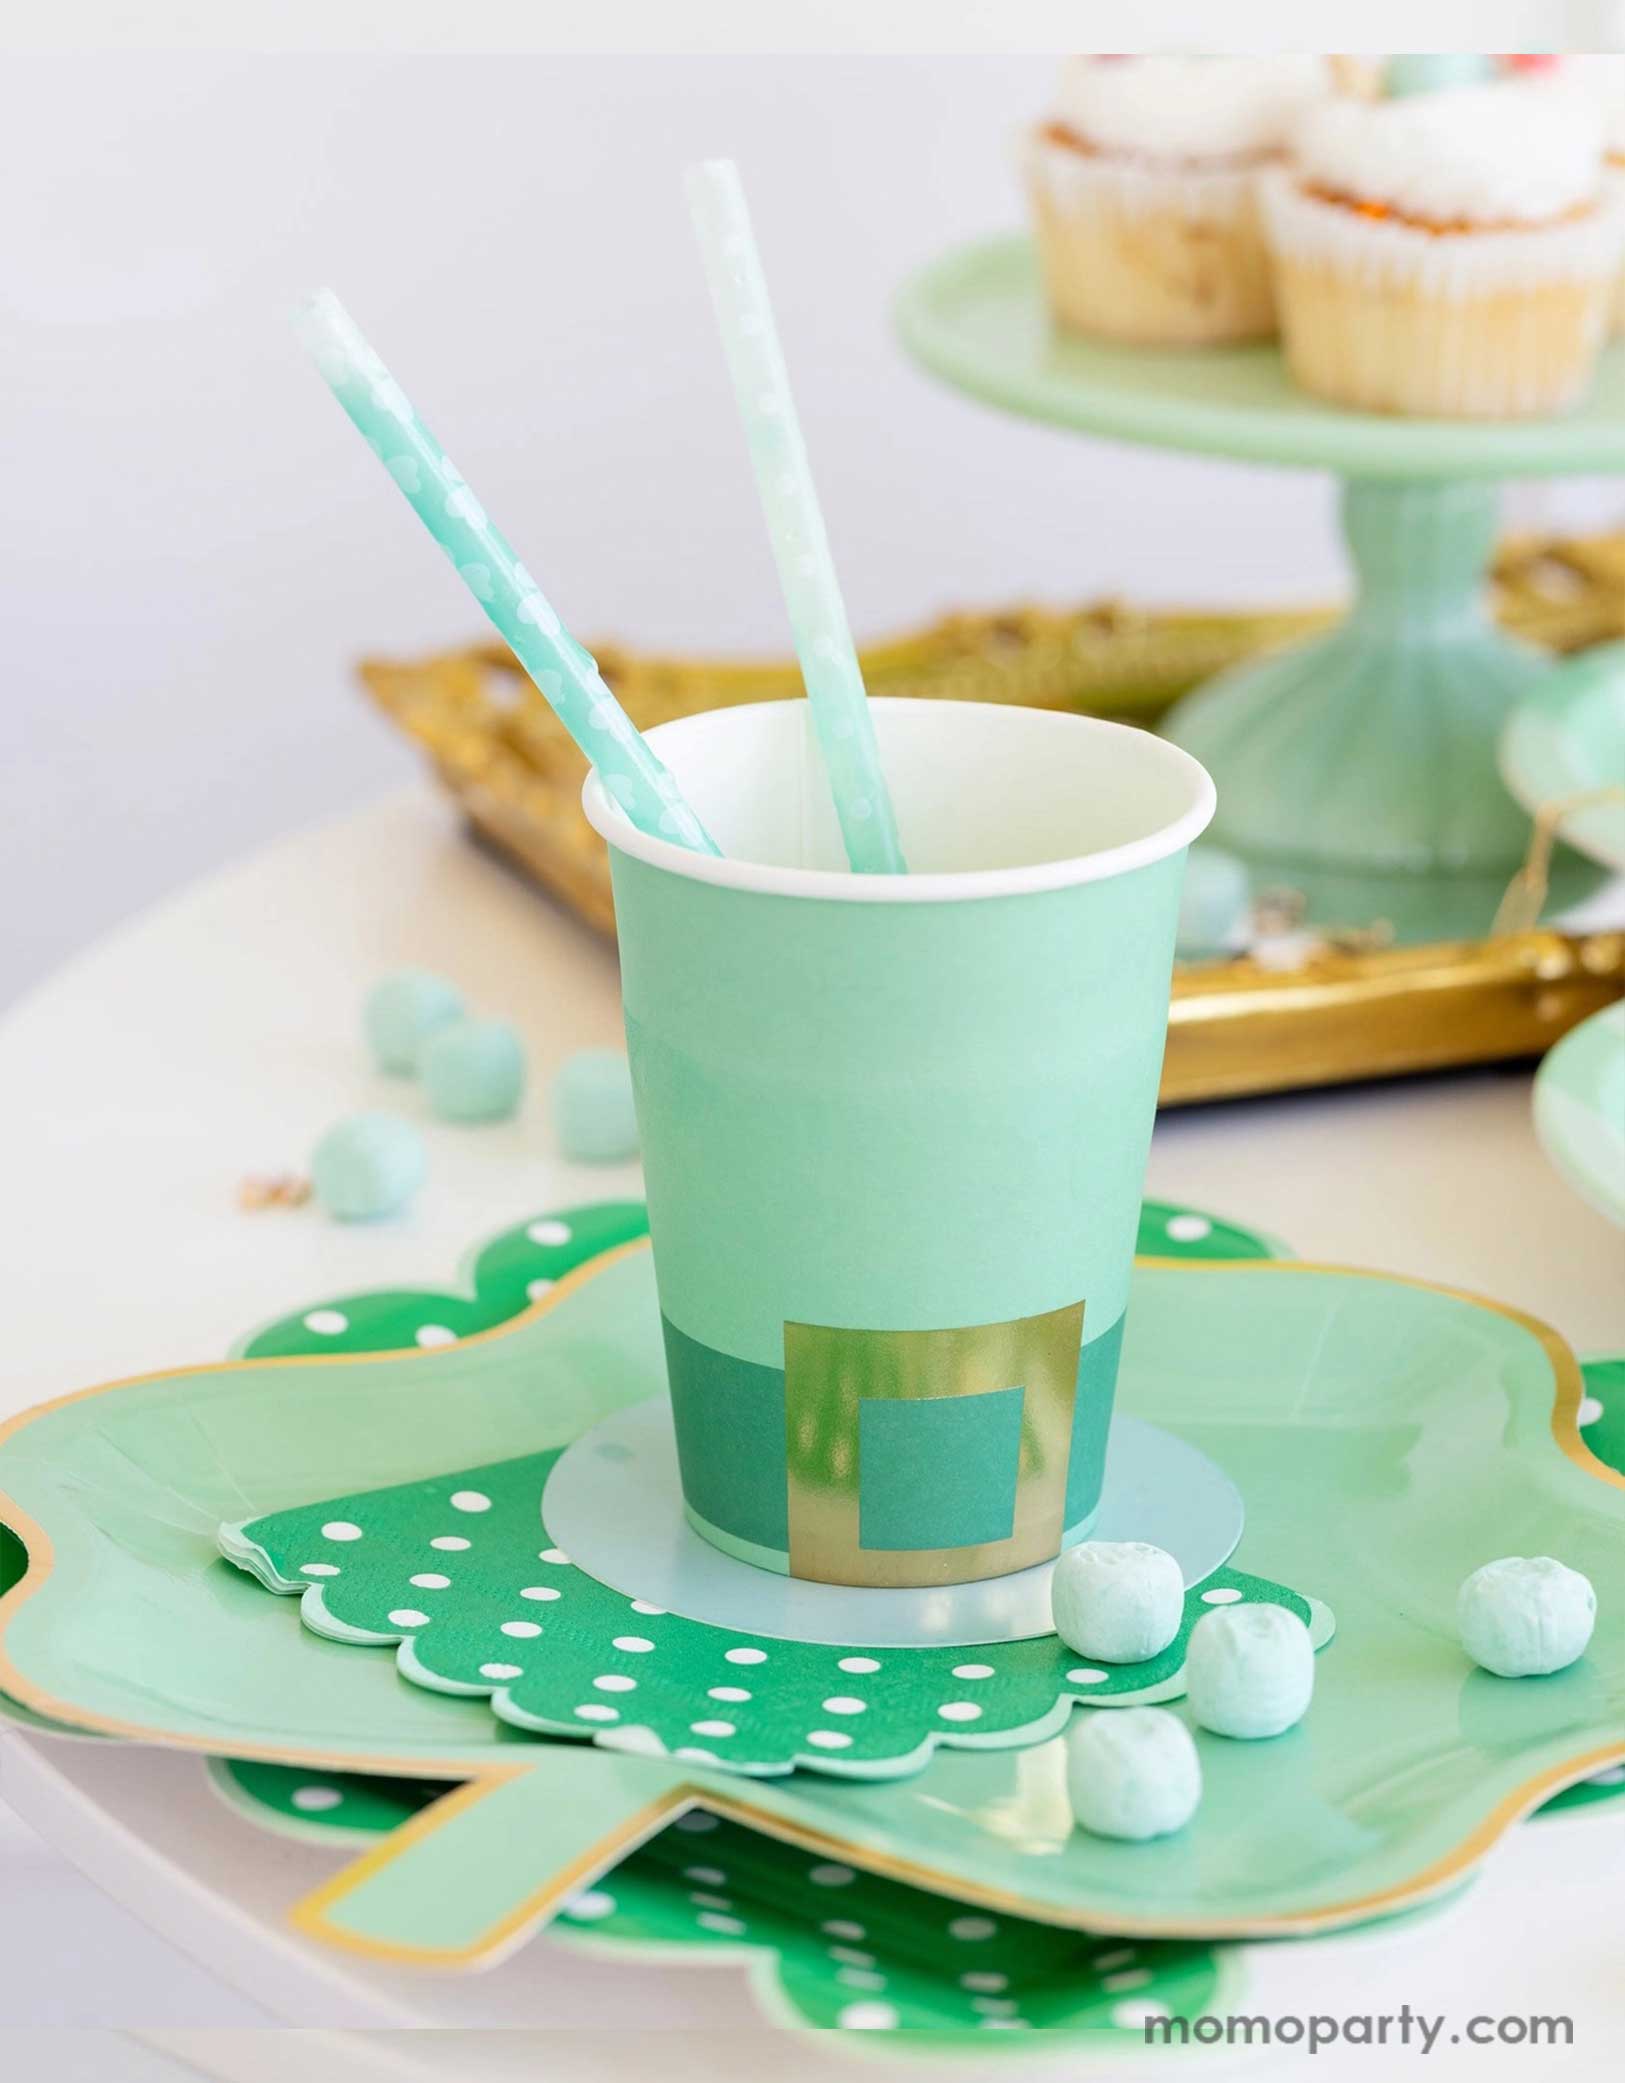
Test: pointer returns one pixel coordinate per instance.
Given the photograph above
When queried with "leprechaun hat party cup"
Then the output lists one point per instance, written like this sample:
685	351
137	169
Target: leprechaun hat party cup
895	1127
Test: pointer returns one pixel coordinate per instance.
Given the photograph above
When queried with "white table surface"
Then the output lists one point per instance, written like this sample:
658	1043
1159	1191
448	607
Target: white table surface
218	1036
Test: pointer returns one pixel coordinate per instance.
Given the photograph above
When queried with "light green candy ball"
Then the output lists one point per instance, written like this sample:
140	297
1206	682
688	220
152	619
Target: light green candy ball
1117	1602
1131	1772
1430	72
474	1070
367	1167
1526	1616
593	1113
1249	1671
1214	900
402	1012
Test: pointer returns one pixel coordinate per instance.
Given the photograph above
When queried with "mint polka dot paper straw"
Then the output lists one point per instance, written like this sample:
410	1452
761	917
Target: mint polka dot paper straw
823	640
565	673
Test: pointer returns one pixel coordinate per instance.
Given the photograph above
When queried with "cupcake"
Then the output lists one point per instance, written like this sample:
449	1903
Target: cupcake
1143	193
1449	254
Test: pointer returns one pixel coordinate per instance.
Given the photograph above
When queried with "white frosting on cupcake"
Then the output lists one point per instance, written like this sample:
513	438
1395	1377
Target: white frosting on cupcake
1188	109
1601	75
1385	252
1510	153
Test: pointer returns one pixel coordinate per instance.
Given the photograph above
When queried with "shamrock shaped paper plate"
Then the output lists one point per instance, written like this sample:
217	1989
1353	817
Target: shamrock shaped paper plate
895	1958
1381	1431
883	1964
824	1945
515	1270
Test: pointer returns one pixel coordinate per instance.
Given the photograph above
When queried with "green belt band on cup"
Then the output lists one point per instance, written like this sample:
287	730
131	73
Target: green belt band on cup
920	1475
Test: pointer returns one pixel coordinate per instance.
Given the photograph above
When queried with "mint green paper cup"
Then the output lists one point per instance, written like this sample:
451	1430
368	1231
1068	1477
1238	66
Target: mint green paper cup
894	1127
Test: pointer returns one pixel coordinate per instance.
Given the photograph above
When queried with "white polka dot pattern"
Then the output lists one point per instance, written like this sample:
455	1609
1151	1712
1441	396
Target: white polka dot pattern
495	1588
868	2017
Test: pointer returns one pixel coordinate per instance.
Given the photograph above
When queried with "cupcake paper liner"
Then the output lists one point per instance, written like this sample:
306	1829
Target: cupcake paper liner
1390	317
1156	255
1616	183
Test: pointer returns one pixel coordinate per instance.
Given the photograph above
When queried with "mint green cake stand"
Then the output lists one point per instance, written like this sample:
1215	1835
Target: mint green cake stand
1360	766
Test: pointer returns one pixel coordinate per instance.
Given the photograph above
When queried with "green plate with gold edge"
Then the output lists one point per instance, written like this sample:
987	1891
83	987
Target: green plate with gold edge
896	1958
1377	1427
513	1271
1567	740
823	1946
1579	1103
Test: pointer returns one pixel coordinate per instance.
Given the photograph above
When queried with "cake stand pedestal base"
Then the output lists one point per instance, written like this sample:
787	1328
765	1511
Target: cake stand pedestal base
1360	766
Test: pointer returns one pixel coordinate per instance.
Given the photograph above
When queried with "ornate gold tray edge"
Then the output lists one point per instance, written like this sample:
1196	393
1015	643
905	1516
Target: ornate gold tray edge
1236	1028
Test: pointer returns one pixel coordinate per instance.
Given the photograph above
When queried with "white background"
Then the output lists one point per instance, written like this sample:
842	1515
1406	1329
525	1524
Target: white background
195	546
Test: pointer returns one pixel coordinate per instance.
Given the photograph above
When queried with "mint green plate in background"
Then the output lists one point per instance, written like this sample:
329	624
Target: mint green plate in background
1388	1437
1567	740
1580	1109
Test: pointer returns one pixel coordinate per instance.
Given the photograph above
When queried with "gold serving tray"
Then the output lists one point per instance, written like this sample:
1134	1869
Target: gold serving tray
1236	1027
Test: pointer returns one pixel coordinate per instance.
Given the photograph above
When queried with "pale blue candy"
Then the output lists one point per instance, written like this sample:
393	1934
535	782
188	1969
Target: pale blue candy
1131	1772
592	1107
474	1070
1429	72
403	1011
368	1166
1249	1670
1117	1602
1526	1616
1215	900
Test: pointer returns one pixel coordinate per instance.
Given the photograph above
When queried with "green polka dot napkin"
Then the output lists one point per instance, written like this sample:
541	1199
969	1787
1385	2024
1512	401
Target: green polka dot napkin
458	1571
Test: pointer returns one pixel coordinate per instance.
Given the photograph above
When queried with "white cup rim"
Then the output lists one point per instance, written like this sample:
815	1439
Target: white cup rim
611	822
